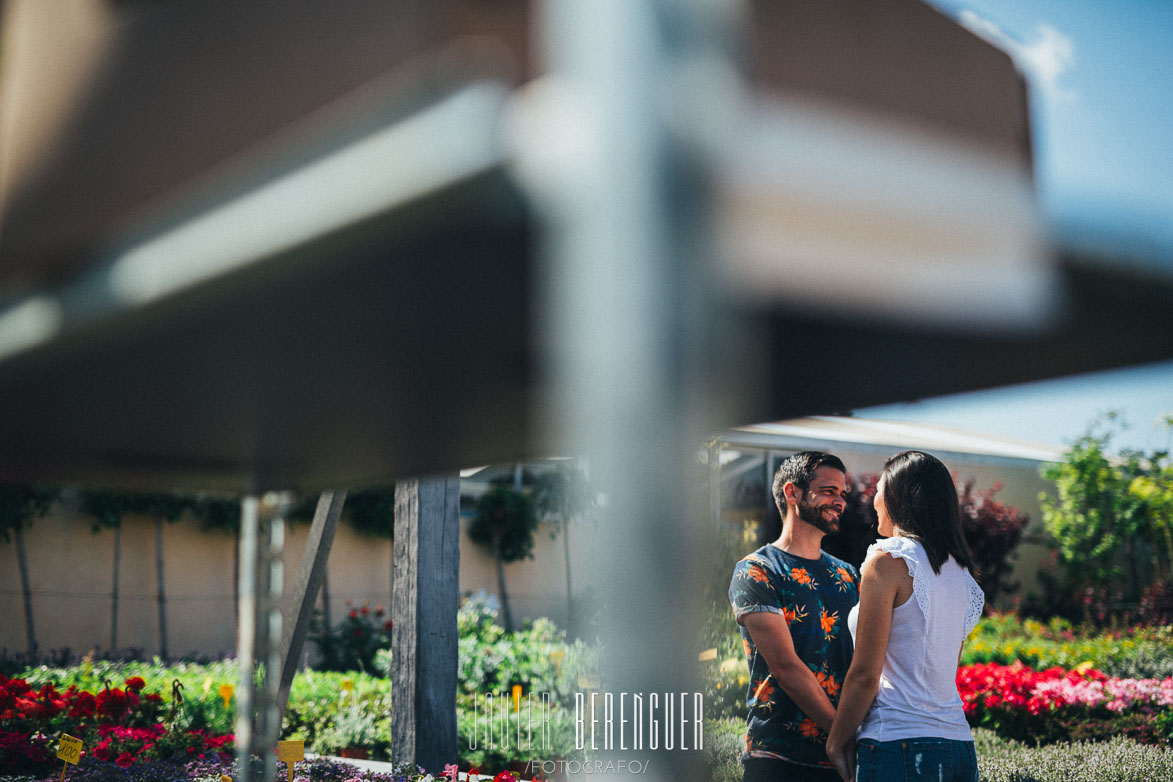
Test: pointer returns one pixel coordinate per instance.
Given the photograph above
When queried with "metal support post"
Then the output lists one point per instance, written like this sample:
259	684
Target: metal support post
262	540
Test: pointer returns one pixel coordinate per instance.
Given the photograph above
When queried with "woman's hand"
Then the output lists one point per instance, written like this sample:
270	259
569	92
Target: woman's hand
842	755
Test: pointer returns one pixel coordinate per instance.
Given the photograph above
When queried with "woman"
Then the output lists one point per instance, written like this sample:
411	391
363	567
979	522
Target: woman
899	715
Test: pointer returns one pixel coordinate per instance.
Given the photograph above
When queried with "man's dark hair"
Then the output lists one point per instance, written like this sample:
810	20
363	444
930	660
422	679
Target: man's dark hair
799	469
921	499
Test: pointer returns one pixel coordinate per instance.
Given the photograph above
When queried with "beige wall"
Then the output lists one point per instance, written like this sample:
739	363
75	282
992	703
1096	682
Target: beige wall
71	580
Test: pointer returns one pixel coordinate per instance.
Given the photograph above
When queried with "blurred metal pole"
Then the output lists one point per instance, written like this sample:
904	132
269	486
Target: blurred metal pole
599	148
262	540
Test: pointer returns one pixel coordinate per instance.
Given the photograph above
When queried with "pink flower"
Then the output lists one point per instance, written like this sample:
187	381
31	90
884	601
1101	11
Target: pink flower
451	771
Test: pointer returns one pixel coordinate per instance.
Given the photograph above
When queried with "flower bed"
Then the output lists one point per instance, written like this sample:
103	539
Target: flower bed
1055	704
119	727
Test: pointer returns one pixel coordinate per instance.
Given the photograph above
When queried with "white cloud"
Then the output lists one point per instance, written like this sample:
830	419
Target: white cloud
1045	58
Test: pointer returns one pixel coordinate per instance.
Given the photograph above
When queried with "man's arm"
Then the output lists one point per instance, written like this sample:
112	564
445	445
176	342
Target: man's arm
771	635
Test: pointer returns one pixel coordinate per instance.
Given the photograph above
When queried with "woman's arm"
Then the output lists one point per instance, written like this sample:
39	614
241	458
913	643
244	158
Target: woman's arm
881	578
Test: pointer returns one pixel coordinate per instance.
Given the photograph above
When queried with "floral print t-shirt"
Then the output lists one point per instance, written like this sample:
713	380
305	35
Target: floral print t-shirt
814	597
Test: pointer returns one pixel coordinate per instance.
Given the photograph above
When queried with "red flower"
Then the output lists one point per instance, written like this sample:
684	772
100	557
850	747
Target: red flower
135	683
84	705
505	776
353	614
124	760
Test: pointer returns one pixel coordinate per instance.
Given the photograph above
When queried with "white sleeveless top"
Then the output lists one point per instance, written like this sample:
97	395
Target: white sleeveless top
918	690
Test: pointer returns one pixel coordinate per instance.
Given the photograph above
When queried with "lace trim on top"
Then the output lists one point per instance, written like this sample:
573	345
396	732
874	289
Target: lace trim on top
915	557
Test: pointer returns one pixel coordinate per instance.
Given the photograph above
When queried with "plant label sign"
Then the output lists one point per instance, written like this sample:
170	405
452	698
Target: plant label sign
290	752
69	749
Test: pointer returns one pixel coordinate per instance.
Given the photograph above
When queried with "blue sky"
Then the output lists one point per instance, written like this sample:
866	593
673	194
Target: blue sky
1101	76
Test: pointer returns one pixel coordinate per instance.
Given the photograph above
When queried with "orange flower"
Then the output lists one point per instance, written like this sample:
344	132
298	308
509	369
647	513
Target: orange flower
748	648
764	691
845	575
800	575
828	622
793	614
828	683
808	727
757	574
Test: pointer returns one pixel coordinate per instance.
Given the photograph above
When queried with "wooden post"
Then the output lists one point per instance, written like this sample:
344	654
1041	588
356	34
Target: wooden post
305	593
423	610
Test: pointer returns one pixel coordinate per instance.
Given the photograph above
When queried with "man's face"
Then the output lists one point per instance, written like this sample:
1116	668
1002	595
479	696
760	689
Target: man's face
822	504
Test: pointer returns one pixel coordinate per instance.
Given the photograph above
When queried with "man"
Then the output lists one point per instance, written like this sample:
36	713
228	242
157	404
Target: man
791	600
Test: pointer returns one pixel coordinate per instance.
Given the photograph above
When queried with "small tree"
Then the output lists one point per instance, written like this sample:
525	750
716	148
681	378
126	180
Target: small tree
19	506
992	530
565	494
1111	516
108	507
505	524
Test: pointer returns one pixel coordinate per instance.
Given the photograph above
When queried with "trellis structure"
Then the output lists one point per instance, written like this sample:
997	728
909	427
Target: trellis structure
256	248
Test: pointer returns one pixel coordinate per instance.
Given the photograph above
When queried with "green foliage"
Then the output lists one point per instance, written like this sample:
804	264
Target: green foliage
20	505
372	511
537	657
1111	519
505	523
724	743
353	643
1003	638
1116	760
219	513
563	492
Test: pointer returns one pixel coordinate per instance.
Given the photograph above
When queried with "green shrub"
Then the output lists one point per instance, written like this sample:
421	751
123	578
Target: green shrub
1002	638
1117	760
724	742
351	645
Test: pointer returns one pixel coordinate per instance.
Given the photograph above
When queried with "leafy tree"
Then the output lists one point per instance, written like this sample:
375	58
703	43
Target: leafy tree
1111	516
505	524
564	493
992	530
108	508
19	506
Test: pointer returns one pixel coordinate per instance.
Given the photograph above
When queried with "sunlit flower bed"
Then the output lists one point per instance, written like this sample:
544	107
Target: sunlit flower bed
118	726
1059	705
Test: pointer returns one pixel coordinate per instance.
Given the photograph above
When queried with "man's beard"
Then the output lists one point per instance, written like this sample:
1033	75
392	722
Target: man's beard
814	516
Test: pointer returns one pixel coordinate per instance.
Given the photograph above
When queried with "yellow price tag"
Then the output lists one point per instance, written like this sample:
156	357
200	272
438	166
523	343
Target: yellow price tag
291	751
226	692
69	749
517	697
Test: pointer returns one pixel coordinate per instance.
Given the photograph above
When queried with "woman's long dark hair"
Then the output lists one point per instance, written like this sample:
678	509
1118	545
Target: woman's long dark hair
921	499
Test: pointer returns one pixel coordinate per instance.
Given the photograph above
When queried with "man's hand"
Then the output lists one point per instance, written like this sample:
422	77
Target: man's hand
843	758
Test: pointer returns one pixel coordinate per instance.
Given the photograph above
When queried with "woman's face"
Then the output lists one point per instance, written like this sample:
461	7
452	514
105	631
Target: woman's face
885	526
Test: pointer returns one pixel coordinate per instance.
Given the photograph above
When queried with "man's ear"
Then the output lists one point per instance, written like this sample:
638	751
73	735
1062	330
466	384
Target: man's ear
791	491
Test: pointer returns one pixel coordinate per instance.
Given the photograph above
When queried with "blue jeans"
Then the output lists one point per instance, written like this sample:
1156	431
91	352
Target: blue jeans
939	760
